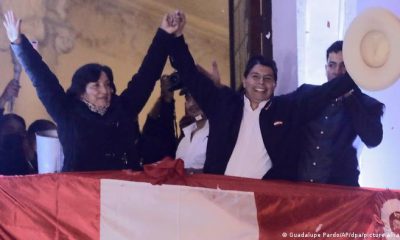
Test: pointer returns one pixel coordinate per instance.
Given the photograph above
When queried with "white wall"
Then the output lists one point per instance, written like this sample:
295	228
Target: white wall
319	26
284	44
380	167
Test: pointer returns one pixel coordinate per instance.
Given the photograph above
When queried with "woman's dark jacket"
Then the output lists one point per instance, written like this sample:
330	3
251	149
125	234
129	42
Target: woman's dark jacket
91	141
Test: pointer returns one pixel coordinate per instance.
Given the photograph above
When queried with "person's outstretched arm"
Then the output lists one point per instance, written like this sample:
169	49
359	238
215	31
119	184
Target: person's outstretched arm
46	83
310	104
143	82
201	87
365	114
10	92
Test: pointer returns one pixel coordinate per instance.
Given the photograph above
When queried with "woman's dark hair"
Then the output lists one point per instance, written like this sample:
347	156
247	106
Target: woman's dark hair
258	59
86	74
107	70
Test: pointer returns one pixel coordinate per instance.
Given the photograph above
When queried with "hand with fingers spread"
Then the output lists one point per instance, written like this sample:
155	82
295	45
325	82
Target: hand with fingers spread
213	75
13	27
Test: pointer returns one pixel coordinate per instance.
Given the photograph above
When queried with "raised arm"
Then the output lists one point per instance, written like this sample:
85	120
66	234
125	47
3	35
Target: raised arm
46	83
10	92
365	114
201	87
143	82
311	103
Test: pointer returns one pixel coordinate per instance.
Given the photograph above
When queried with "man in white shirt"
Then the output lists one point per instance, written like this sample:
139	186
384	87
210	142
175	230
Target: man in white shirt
160	139
193	144
252	133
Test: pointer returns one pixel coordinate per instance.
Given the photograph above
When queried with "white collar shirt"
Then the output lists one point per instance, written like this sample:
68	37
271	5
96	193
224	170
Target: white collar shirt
193	151
249	157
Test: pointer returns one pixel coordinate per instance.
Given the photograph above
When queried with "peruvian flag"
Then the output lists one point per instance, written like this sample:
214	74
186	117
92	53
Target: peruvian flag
163	202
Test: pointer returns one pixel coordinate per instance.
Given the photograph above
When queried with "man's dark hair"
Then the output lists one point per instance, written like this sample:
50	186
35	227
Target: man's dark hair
86	74
258	59
335	47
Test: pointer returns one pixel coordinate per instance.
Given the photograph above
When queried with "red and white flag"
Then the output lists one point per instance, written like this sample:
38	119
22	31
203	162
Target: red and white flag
125	205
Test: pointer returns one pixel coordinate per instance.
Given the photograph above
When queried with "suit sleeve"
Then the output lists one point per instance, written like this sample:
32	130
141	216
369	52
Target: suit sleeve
365	114
200	86
142	83
310	103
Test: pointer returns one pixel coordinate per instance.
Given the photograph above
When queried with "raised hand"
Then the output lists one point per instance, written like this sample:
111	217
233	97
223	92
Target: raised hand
173	23
168	24
213	75
12	26
180	19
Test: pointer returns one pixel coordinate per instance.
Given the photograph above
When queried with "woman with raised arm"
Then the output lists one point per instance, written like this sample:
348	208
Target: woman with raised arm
97	128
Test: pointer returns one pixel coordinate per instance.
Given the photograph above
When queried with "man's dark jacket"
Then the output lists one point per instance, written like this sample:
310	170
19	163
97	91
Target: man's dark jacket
280	119
334	132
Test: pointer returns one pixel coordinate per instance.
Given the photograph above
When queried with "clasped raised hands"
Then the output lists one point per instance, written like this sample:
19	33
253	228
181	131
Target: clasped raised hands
173	23
12	26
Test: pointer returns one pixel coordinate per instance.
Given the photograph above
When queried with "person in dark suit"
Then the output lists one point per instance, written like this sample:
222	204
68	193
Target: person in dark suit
252	133
160	138
327	153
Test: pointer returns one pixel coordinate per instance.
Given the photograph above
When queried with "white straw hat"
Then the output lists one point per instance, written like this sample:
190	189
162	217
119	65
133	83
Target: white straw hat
371	49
